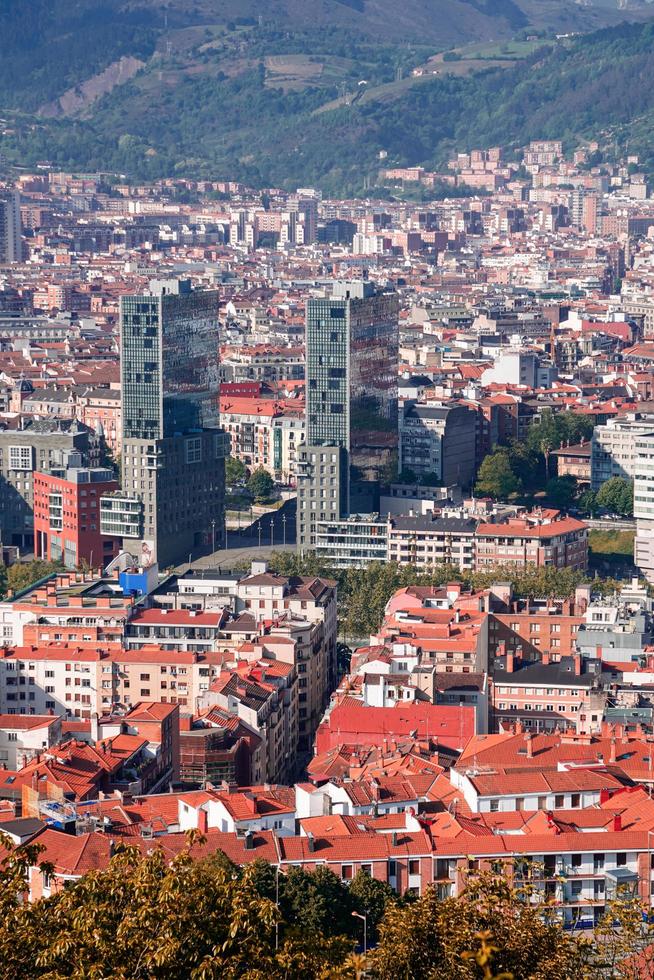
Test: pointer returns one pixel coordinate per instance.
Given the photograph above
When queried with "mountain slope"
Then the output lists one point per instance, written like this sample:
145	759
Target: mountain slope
248	102
49	46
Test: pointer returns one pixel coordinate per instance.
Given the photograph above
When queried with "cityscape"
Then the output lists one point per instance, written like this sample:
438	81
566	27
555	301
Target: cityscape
327	537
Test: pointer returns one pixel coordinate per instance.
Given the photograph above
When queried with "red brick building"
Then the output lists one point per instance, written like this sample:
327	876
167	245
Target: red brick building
67	516
543	538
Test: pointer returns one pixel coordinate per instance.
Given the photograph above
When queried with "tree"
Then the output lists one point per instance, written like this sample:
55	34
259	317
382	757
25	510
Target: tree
261	484
3	580
373	898
194	916
235	471
316	902
617	496
496	478
561	491
587	502
20	575
622	946
433	937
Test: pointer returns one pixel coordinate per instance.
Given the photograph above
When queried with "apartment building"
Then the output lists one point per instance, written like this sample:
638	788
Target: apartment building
453	537
23	737
77	608
264	433
538	626
438	440
67	516
542	695
542	538
431	540
613	447
264	697
78	683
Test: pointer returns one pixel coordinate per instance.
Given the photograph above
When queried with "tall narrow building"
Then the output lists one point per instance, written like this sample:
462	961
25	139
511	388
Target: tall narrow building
11	244
173	453
350	453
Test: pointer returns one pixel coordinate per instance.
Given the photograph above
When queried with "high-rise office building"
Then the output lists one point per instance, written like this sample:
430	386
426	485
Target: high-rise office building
11	245
173	453
350	451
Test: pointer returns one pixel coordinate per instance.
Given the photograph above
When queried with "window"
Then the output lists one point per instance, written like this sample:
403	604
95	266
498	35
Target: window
20	458
194	450
414	867
346	872
559	801
621	859
575	860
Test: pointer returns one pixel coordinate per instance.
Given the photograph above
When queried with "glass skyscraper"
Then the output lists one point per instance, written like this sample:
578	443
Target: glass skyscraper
173	452
351	426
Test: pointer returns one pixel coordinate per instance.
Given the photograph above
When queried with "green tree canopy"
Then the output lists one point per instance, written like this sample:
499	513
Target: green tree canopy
496	478
20	575
261	484
617	496
561	491
235	470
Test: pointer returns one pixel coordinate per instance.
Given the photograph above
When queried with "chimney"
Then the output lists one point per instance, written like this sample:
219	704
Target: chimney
249	840
605	796
394	838
617	822
510	660
613	756
578	664
112	847
311	842
95	728
203	821
529	739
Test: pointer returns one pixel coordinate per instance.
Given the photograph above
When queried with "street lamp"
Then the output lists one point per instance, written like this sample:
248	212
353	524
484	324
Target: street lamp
364	917
259	529
272	530
284	528
213	535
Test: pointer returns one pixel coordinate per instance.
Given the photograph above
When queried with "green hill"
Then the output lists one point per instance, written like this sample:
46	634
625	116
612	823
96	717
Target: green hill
166	94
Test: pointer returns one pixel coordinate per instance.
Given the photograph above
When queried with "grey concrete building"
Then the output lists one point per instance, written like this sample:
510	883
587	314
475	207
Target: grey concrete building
11	244
38	446
440	440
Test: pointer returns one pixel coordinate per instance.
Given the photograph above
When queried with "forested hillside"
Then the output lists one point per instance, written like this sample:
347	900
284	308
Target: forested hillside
216	102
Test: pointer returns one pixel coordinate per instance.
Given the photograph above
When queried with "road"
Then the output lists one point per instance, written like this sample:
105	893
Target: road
605	524
258	540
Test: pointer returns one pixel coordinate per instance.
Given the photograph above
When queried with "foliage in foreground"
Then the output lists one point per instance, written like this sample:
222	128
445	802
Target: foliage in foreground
202	918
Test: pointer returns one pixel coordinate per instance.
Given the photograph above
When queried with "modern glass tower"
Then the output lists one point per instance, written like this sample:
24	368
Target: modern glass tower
351	417
173	452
